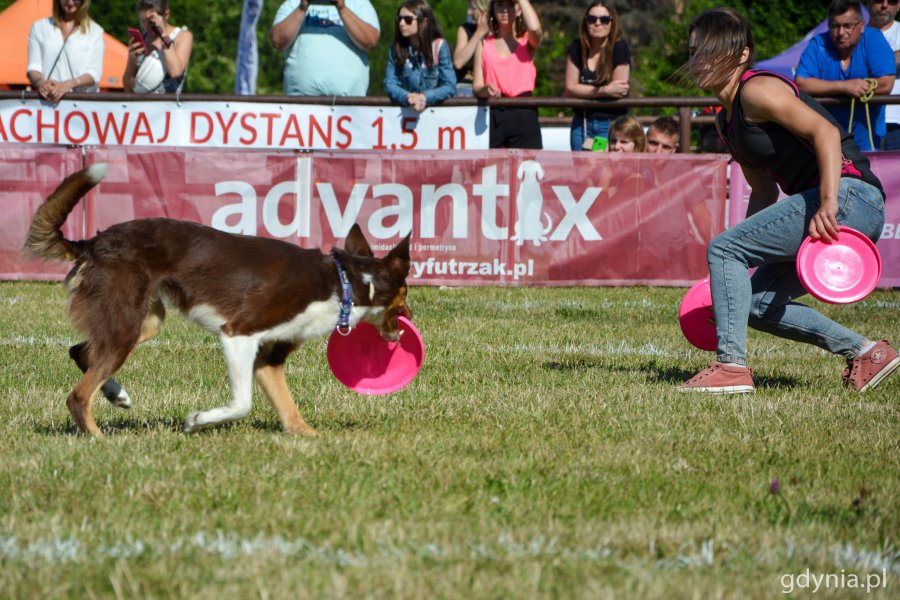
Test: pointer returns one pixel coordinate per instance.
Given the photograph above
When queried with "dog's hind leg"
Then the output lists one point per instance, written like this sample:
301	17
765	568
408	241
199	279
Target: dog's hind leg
81	401
153	321
270	376
112	390
240	353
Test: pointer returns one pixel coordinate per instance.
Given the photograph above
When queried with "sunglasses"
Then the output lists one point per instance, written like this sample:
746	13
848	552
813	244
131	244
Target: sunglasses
605	19
843	26
405	19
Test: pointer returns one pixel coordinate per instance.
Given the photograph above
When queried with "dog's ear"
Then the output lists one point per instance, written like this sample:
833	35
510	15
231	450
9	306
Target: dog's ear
398	258
356	243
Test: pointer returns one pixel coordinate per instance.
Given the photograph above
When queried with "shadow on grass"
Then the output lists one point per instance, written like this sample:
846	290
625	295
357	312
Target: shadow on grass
114	426
173	424
657	373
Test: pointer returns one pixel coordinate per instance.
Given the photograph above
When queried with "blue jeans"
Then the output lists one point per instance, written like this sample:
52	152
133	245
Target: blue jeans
892	140
766	301
595	128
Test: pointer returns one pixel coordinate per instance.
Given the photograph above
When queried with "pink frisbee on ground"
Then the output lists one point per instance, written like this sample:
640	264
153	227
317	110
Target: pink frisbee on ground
695	315
842	271
367	363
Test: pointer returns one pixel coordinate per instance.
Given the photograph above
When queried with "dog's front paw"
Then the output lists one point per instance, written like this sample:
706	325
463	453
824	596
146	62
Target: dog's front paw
193	423
301	429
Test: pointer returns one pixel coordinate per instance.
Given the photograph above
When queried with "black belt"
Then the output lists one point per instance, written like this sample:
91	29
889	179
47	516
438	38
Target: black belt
893	127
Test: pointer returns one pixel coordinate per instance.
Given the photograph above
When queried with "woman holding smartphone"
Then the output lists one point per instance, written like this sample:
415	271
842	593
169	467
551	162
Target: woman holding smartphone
158	64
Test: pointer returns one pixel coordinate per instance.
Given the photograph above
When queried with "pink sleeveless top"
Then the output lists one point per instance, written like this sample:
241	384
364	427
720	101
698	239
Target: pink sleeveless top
513	75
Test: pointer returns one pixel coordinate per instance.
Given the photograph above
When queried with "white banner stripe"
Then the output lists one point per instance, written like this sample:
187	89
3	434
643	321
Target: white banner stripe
243	125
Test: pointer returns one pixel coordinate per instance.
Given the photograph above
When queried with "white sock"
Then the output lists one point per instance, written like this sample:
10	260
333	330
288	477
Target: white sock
734	365
866	348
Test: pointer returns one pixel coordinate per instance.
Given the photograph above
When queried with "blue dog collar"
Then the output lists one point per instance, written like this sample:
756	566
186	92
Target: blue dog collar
343	326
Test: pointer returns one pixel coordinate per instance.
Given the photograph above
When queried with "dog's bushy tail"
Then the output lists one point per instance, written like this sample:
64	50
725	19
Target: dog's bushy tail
45	238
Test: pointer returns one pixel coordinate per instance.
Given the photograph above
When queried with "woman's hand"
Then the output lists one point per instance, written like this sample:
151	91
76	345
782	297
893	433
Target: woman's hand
824	225
482	27
58	89
617	88
136	49
489	91
416	101
45	87
156	24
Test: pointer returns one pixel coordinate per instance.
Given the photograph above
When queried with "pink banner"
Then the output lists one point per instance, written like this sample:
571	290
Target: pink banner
27	175
886	166
477	217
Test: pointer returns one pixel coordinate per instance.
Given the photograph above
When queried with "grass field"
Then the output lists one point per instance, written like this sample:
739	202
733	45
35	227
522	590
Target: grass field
542	452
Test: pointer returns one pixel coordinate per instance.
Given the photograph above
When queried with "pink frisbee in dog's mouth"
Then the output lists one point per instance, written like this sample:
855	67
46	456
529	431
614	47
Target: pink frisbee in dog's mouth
696	316
368	364
842	271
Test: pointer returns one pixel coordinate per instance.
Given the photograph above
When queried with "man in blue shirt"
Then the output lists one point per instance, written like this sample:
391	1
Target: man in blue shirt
839	62
325	45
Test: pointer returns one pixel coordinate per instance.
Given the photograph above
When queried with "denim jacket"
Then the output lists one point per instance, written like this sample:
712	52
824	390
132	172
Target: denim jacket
437	83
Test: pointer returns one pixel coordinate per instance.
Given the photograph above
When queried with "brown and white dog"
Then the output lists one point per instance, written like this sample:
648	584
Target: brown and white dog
262	297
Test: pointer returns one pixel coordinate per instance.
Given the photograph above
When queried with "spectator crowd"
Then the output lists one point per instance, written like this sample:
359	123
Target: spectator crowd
326	46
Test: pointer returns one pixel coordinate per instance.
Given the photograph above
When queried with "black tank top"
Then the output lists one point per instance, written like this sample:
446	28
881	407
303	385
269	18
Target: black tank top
467	74
788	159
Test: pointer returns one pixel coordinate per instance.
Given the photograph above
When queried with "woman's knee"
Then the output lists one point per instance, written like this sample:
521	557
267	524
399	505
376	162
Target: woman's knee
717	248
759	306
768	305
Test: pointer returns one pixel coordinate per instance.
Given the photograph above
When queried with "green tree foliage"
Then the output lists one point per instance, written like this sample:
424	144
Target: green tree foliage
776	26
655	31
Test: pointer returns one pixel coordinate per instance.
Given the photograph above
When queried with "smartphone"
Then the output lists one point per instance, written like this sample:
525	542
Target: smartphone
600	144
320	1
137	36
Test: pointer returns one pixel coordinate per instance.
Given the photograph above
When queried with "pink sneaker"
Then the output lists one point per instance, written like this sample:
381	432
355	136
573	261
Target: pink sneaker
868	370
721	379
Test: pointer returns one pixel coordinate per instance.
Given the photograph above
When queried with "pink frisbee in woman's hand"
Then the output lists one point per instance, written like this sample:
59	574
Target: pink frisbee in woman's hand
841	271
367	363
696	316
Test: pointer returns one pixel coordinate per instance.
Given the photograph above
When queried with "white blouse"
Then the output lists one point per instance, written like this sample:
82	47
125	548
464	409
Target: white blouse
81	54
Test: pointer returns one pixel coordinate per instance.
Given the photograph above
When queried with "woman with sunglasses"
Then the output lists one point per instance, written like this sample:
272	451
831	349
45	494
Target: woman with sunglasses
504	67
420	68
65	51
597	67
779	135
